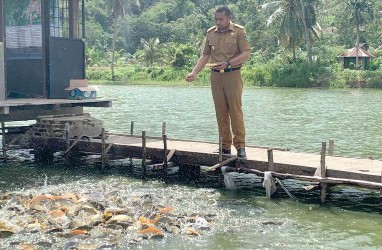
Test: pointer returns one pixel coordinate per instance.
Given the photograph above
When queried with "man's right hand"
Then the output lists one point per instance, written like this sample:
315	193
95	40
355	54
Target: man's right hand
190	77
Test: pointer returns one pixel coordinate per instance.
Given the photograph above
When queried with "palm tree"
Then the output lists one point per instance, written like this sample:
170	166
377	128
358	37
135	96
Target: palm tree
151	50
119	9
361	13
297	20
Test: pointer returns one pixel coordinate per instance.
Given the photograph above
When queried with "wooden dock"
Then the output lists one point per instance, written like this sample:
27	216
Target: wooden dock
353	171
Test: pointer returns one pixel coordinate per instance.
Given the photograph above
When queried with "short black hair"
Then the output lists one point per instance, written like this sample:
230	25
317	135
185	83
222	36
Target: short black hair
224	9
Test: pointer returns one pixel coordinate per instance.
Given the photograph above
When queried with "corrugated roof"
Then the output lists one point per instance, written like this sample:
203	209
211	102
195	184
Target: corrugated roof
353	53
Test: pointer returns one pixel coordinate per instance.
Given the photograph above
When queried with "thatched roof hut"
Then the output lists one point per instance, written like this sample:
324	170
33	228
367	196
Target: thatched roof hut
348	58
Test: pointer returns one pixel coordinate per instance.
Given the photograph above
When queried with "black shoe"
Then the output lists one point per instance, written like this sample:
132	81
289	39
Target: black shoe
241	153
224	151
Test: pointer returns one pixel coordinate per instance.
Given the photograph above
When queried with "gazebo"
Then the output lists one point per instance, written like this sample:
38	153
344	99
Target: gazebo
349	57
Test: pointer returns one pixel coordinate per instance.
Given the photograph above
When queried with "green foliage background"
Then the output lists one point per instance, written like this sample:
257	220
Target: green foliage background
181	26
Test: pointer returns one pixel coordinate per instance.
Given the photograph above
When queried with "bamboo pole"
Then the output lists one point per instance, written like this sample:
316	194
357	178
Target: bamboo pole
144	154
4	141
331	147
271	165
103	153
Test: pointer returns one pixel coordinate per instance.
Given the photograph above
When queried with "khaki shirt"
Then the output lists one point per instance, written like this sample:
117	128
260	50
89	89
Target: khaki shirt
223	46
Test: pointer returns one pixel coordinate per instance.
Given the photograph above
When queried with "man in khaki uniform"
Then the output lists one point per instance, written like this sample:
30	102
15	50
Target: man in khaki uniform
226	48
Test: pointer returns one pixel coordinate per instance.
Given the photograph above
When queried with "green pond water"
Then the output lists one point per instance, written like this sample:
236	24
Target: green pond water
298	119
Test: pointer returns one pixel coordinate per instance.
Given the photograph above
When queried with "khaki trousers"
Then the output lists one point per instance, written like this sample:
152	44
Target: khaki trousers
227	90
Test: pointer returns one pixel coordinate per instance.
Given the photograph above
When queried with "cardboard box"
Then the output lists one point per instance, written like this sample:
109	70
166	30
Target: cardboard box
79	89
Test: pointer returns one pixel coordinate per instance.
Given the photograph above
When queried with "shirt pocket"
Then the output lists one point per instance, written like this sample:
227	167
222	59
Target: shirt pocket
230	44
230	40
213	42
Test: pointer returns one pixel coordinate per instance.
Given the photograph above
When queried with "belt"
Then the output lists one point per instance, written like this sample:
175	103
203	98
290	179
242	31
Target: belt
225	70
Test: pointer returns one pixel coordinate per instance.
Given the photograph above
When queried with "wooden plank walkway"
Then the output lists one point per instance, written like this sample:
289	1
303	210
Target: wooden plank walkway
257	158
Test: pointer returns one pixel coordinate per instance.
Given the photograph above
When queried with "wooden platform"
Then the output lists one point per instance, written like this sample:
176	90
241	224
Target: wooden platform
202	153
22	109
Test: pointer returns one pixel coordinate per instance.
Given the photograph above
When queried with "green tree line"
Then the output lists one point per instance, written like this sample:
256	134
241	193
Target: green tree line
295	43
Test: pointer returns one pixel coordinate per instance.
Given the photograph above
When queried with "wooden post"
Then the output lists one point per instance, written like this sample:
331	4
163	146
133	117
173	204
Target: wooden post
132	128
103	156
131	133
220	149
323	172
221	176
66	135
380	196
165	162
144	154
4	141
164	127
271	165
331	147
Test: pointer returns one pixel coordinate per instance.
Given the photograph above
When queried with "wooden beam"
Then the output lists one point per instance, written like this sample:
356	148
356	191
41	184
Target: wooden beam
327	180
108	148
71	146
220	164
170	154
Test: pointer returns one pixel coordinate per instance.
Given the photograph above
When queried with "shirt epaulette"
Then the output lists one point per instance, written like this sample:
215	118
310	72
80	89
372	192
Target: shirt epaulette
212	28
238	25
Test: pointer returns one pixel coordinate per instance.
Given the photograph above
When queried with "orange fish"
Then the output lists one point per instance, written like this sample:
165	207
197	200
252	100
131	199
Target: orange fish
38	199
143	220
26	247
78	232
56	213
152	230
72	197
157	218
165	210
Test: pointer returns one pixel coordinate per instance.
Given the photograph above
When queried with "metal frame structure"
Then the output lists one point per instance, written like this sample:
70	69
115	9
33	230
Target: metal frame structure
62	58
